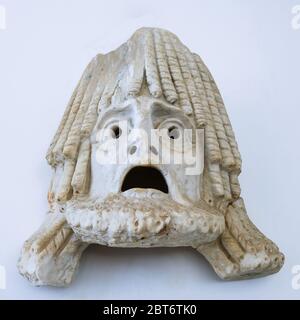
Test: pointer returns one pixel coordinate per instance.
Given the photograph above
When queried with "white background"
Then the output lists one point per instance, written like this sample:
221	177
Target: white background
253	53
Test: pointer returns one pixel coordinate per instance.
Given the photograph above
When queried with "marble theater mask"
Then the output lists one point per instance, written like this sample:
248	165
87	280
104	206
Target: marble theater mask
145	156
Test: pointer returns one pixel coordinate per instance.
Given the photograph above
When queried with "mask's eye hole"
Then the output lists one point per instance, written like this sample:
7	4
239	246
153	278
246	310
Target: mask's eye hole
173	132
116	132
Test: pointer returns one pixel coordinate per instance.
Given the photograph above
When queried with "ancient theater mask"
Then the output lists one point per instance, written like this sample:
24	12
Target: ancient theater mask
145	156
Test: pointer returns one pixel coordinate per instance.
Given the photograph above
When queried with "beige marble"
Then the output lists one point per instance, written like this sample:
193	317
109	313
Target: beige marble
153	104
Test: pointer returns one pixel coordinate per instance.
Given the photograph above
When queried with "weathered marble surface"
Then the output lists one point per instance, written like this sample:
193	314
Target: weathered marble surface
152	81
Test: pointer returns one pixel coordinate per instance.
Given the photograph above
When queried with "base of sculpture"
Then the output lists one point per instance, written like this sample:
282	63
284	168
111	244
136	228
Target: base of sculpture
51	256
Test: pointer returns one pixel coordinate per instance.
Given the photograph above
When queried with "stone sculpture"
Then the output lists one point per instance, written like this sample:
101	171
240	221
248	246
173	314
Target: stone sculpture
151	82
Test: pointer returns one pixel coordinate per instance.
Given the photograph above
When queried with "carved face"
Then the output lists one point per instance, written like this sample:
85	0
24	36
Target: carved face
146	163
144	143
128	160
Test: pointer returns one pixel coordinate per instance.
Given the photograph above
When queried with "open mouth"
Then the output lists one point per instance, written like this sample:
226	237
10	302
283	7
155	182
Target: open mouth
145	178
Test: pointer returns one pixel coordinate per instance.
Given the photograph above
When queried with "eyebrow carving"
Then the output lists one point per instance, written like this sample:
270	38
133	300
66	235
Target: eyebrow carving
119	111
